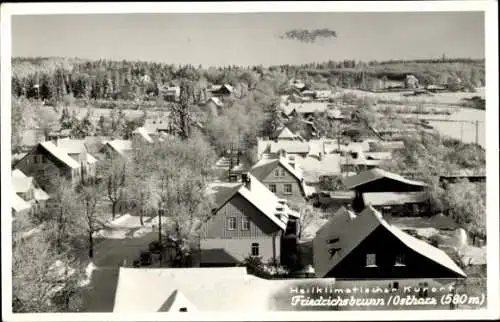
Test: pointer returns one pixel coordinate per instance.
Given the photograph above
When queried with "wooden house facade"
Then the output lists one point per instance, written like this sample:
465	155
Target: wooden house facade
355	247
46	162
249	220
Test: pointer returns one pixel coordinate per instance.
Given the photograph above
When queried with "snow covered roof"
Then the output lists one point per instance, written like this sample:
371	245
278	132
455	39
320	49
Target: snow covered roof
286	134
215	289
301	108
18	203
352	182
60	154
218	87
289	146
72	146
378	155
177	302
258	195
216	101
313	168
120	146
40	194
142	132
348	232
394	198
265	166
20	182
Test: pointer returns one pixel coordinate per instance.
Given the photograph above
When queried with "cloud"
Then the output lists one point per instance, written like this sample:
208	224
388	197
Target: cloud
309	36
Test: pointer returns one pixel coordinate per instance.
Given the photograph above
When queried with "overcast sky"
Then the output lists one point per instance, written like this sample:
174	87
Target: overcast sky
249	39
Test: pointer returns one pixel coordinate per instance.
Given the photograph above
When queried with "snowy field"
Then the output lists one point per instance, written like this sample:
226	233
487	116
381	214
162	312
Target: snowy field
437	98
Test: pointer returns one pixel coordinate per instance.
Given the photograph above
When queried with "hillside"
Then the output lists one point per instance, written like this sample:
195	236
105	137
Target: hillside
53	78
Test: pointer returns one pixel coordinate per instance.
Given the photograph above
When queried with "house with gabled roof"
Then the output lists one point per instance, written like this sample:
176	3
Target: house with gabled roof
77	149
248	220
214	105
117	148
221	90
47	161
26	188
177	302
286	134
142	134
283	176
350	246
388	185
19	206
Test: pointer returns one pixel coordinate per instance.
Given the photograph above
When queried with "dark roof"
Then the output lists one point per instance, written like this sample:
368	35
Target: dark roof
364	177
352	231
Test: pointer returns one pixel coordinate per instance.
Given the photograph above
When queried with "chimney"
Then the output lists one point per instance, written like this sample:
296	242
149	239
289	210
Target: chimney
245	179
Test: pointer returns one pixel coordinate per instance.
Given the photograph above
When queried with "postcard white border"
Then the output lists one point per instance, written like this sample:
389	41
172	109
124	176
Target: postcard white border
491	35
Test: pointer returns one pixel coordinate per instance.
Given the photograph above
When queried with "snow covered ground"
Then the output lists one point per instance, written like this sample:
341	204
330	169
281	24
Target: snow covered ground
126	226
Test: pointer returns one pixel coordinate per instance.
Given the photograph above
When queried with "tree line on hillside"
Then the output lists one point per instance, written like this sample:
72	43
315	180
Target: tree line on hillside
53	79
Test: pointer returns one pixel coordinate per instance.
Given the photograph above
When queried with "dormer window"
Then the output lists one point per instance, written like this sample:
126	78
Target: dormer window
400	260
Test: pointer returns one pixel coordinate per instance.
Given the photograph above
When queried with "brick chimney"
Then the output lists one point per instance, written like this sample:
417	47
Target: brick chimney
245	179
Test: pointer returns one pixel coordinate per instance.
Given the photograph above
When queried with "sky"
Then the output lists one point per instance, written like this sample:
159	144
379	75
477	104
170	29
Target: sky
214	39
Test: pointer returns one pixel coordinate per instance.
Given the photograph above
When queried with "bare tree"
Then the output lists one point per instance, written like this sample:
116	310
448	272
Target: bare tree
37	281
115	175
89	197
63	215
307	216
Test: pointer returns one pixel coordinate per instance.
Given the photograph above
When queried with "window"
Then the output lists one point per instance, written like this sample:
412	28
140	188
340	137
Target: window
395	285
371	260
231	223
245	224
400	260
283	173
272	187
255	249
288	188
277	172
183	309
44	159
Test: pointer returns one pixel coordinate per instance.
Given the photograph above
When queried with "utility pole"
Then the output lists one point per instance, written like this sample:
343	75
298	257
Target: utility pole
160	213
461	131
477	134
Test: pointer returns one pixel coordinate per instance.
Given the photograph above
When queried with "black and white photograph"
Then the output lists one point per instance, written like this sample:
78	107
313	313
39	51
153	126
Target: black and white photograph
183	159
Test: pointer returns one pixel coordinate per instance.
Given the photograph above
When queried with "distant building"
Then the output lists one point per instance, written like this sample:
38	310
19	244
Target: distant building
282	176
141	134
411	82
117	148
221	90
249	220
26	188
214	105
367	247
19	206
171	93
59	134
285	134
